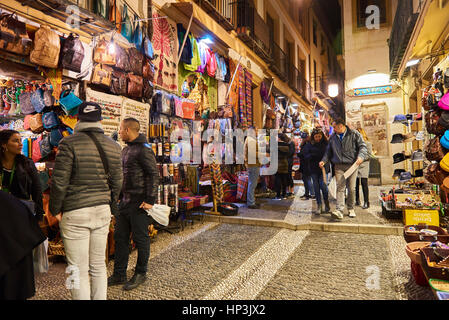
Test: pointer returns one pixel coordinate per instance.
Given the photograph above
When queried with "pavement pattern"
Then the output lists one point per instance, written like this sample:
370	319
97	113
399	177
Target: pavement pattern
245	262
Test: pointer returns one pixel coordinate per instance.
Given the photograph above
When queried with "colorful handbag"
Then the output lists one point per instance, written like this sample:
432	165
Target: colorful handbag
68	121
137	38
45	147
127	28
69	100
50	120
49	99
26	122
444	102
102	53
55	137
46	47
148	48
135	86
25	103
435	175
37	100
36	124
188	109
178	107
36	150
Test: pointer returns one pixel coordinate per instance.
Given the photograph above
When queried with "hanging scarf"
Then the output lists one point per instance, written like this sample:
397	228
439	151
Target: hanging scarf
249	99
242	99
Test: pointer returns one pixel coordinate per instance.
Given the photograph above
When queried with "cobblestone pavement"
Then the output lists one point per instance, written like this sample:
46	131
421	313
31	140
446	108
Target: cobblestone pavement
243	262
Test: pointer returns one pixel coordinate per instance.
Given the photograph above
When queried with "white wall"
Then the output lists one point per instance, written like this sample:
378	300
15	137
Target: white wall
365	50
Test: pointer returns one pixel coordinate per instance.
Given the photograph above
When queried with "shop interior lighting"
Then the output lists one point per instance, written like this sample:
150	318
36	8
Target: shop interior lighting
111	46
207	40
333	90
372	71
412	63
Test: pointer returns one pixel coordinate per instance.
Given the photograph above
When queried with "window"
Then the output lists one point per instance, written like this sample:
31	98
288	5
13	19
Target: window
315	38
362	15
315	76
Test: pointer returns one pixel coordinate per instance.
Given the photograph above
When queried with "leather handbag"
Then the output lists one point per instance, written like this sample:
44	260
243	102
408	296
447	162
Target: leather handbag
45	147
137	38
136	61
37	100
72	53
116	16
434	150
127	28
435	175
49	99
55	137
135	86
148	90
102	54
432	123
122	59
46	48
148	70
36	124
13	35
25	103
102	75
148	49
119	83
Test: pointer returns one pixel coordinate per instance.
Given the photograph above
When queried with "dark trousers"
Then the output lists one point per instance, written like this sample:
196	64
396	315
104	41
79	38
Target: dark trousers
364	182
136	221
319	186
281	184
308	185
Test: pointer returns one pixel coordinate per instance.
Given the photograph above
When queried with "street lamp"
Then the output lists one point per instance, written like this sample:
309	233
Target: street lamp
333	90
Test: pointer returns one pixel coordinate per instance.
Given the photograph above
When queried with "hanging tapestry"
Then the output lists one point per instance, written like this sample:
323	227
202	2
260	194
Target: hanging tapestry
242	98
165	45
249	98
233	98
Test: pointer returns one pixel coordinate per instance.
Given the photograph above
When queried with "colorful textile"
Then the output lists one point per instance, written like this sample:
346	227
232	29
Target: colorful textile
217	182
212	64
187	52
233	99
196	60
204	56
249	98
242	98
242	186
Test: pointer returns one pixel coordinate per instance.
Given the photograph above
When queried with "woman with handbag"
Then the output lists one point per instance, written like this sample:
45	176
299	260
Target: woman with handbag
19	178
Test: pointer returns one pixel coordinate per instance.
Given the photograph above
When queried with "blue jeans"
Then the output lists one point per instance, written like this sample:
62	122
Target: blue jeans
253	179
308	186
320	186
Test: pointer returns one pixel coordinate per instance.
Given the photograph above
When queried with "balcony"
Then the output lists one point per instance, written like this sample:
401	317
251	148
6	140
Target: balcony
278	62
223	11
298	83
404	23
252	29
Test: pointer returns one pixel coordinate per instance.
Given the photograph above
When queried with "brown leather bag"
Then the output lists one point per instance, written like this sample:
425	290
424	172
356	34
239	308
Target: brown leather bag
434	150
102	75
432	124
148	90
122	59
13	35
148	70
136	61
135	86
119	83
36	124
435	175
102	54
46	48
72	53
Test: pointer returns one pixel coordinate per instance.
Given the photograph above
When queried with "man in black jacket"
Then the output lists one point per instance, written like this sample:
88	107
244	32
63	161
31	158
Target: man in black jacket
140	185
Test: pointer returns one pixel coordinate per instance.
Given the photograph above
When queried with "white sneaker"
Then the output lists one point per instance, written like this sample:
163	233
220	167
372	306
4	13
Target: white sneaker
337	214
352	213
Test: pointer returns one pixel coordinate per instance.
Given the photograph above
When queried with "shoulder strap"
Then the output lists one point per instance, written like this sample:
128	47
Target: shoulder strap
101	152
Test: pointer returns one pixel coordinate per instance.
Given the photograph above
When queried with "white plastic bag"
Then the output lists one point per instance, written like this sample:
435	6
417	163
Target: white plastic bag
40	257
160	213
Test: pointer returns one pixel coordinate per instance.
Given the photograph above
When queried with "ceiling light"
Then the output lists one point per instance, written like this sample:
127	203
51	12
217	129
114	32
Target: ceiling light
412	63
372	71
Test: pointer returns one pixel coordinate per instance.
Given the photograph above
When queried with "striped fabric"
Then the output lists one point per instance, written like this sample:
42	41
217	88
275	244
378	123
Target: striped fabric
217	182
242	99
249	98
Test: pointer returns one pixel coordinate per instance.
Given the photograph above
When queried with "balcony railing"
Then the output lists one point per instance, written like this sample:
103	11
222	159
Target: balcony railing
223	11
252	29
298	83
404	23
279	62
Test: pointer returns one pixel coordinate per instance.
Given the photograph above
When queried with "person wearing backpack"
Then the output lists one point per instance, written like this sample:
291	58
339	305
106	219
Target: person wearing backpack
139	193
85	187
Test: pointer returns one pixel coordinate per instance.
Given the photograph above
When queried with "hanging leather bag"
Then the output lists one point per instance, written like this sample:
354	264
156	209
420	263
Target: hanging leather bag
72	54
148	48
119	83
434	150
137	34
122	59
148	70
135	86
102	54
46	48
102	75
13	35
116	16
148	90
36	124
433	124
136	61
127	28
435	175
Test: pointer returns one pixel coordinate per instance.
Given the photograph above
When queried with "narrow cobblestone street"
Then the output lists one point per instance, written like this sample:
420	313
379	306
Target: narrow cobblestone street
239	261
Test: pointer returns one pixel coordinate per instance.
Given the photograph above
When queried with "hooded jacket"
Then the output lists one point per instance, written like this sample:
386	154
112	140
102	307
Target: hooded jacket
79	180
346	151
140	173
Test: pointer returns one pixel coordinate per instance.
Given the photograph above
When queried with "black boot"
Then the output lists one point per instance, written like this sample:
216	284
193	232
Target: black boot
327	207
135	281
115	280
365	205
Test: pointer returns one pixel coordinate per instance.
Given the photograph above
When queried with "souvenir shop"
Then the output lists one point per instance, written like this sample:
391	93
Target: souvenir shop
421	197
154	70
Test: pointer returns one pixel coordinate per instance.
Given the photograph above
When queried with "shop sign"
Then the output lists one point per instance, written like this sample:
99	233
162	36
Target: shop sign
429	217
373	91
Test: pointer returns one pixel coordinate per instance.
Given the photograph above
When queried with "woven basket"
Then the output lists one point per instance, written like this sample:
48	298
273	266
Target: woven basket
413	250
56	248
442	236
